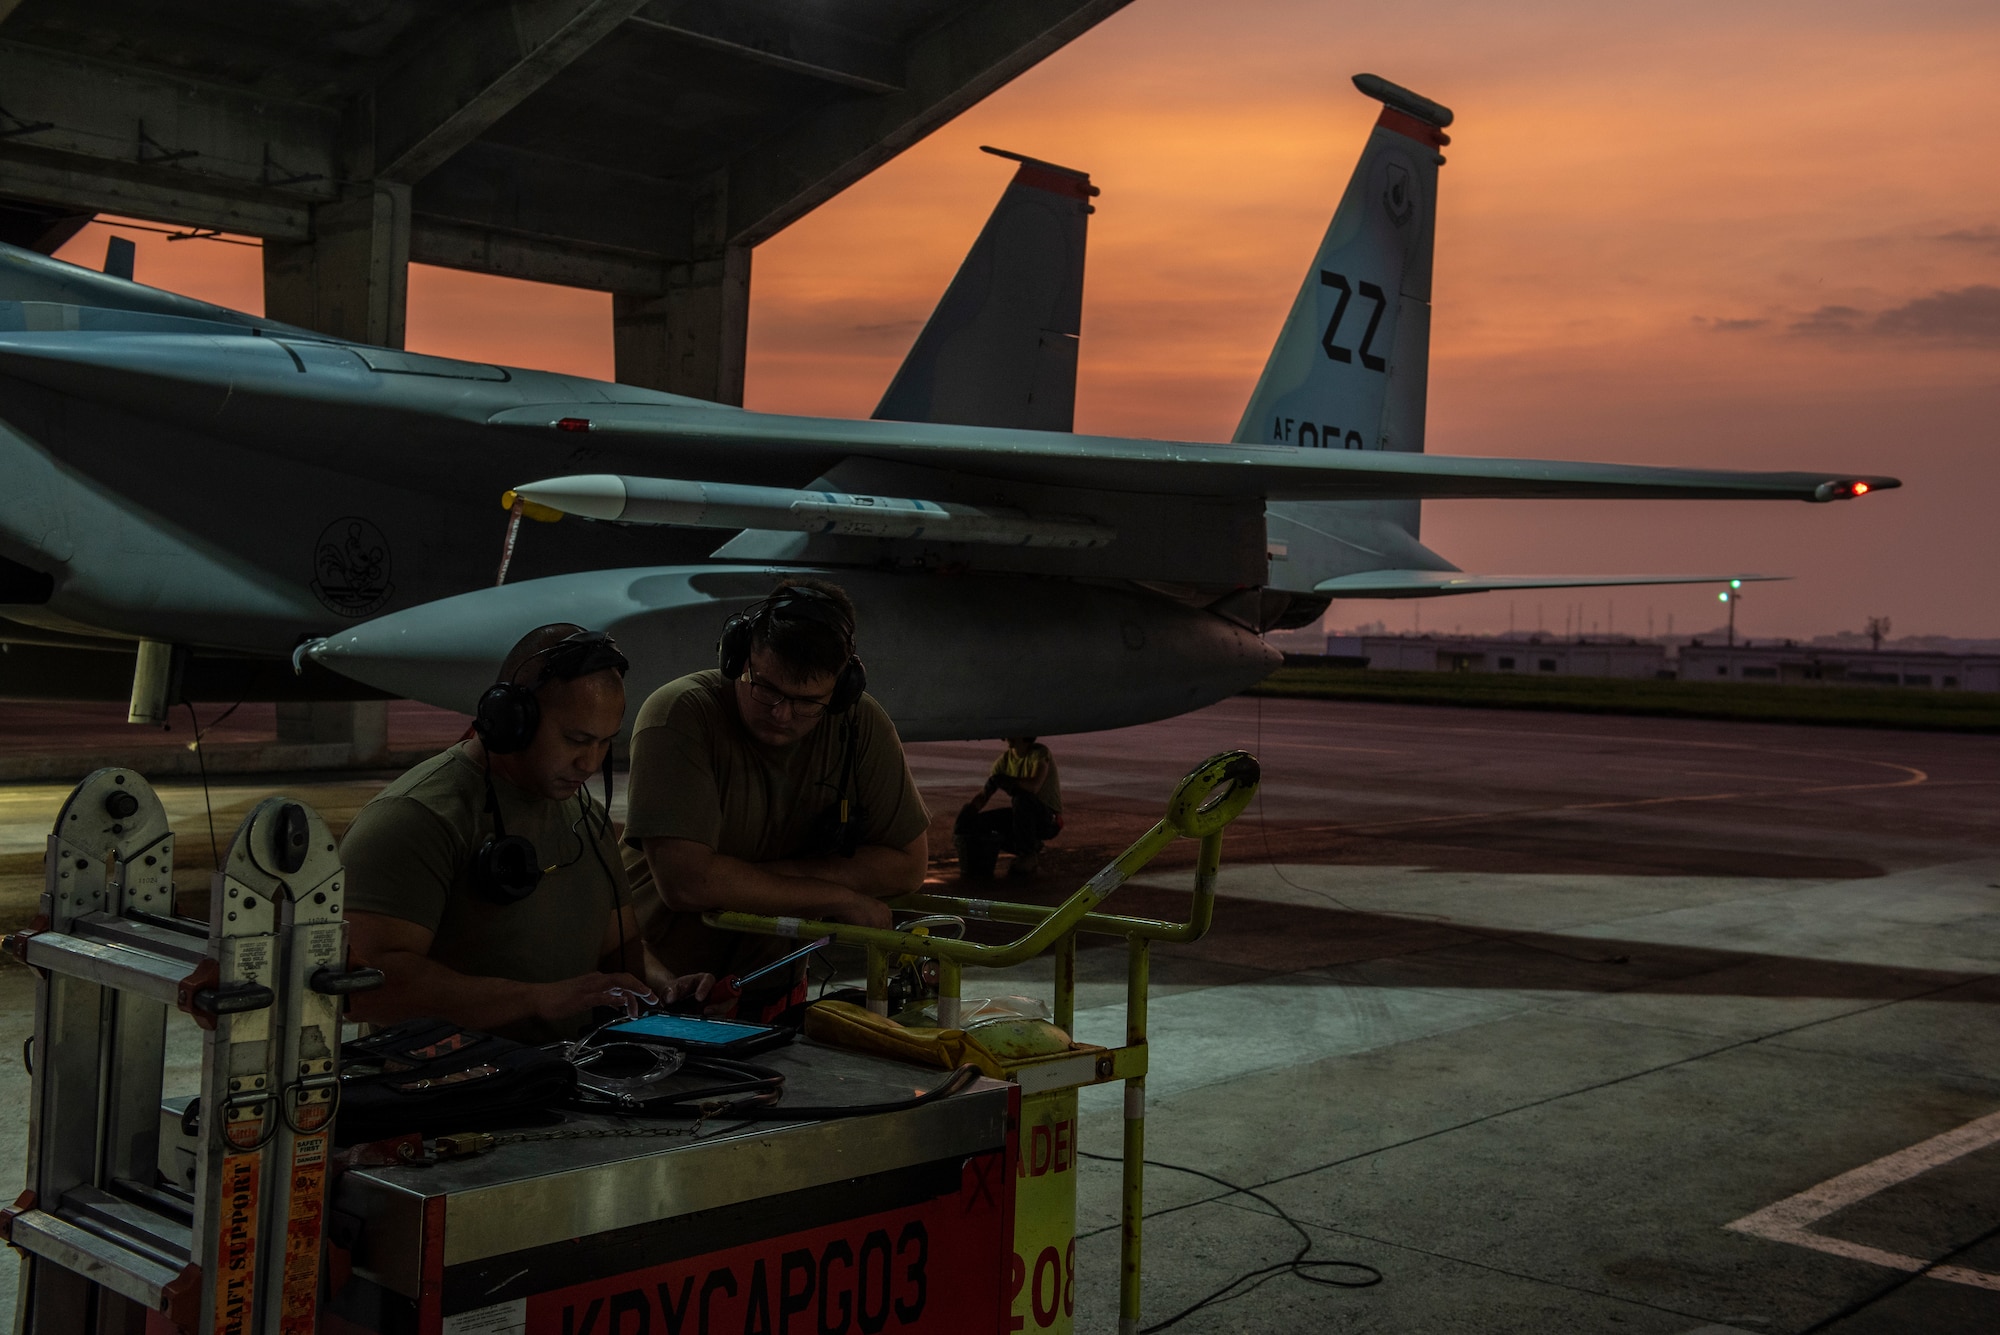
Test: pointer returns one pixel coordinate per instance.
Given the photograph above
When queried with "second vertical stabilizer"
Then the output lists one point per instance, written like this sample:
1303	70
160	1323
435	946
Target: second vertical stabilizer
1000	349
1350	367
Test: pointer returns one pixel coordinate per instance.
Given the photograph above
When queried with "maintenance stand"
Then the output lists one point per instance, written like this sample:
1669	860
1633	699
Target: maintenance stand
874	1197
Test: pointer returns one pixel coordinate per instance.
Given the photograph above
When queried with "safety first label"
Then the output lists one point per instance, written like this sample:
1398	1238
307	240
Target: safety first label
933	1267
236	1246
299	1310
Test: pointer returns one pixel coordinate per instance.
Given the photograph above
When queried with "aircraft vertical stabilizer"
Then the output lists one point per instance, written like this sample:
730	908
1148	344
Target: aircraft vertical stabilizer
1351	366
1000	349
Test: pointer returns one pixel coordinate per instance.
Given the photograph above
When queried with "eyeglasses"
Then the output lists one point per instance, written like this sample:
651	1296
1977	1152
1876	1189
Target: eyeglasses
803	706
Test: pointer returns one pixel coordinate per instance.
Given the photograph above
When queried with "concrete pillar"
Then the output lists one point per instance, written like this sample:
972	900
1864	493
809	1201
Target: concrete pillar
694	339
362	725
352	279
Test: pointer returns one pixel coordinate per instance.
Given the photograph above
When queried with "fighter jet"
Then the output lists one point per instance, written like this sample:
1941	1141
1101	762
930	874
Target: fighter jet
178	472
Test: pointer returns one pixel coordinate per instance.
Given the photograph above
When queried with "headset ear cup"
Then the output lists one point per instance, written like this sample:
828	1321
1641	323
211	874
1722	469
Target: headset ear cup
847	687
505	869
506	718
732	651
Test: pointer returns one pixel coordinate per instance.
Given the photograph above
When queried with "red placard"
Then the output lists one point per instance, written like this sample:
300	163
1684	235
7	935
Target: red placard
938	1267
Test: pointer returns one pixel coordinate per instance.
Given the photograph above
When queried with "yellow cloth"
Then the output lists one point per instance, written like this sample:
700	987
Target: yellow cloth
858	1029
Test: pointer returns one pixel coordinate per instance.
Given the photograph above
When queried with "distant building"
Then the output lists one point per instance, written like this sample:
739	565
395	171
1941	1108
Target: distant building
1531	656
1851	667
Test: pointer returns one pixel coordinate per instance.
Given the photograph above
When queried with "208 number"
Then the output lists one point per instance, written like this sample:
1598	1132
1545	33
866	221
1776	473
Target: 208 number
1054	1286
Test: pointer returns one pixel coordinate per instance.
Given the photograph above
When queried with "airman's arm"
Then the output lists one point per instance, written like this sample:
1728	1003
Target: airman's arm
416	985
694	878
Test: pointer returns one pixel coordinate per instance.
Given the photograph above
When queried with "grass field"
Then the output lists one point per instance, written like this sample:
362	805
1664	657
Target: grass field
1858	706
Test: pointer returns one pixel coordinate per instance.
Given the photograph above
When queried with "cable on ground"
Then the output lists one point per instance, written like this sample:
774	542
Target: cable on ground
1367	1276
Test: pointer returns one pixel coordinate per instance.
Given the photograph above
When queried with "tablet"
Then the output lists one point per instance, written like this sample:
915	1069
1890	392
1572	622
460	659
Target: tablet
698	1034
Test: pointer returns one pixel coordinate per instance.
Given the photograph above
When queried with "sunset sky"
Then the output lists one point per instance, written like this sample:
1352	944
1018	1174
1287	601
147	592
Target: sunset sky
1739	234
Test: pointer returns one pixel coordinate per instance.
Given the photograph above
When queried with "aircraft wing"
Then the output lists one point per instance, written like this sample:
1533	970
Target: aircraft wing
243	386
1436	583
733	443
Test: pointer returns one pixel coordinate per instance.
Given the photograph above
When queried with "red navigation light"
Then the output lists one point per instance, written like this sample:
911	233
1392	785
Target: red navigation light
573	424
1862	489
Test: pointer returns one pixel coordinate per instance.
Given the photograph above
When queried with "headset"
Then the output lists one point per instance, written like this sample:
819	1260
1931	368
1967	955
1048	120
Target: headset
508	712
506	868
794	602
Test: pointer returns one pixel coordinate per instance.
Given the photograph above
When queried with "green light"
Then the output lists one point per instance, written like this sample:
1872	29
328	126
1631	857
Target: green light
1722	597
1735	583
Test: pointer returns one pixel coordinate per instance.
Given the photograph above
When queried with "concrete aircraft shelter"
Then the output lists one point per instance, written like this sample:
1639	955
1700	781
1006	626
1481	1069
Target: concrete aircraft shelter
637	147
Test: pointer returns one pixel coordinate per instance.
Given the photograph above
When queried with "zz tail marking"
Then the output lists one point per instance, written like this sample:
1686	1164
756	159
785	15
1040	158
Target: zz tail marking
1336	281
1339	283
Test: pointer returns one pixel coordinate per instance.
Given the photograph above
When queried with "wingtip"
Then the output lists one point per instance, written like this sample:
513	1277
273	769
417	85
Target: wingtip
1853	488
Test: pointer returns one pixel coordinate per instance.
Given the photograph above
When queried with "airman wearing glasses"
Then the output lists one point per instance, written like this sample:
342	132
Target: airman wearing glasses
771	784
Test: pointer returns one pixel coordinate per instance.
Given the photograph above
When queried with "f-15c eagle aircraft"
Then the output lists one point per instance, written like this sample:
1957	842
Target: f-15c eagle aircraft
179	472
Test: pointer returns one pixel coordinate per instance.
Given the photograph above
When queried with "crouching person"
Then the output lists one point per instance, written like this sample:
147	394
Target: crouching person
1026	773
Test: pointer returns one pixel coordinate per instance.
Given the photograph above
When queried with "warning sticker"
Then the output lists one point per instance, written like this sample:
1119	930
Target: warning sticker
510	1318
299	1309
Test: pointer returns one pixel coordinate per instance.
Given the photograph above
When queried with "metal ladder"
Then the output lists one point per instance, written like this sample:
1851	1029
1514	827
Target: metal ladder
116	1237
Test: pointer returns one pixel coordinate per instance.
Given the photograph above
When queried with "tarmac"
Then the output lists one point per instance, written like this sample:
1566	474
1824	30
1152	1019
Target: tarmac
1557	1023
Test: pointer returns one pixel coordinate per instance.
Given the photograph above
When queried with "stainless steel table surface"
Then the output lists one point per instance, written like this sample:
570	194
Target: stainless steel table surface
521	1196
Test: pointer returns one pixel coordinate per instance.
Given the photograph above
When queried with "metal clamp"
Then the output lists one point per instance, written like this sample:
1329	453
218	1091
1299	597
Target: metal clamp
345	982
16	943
202	995
23	1203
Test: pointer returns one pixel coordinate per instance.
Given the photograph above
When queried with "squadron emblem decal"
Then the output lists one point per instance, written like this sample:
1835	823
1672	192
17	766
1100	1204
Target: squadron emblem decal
1398	196
351	567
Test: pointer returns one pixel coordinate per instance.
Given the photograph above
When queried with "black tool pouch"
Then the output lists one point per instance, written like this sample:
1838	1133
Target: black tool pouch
432	1076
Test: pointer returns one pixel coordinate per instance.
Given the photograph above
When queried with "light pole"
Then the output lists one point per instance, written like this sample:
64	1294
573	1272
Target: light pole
1732	596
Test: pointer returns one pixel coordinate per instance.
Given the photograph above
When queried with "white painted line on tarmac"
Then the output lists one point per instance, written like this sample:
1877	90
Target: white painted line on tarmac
1791	1219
